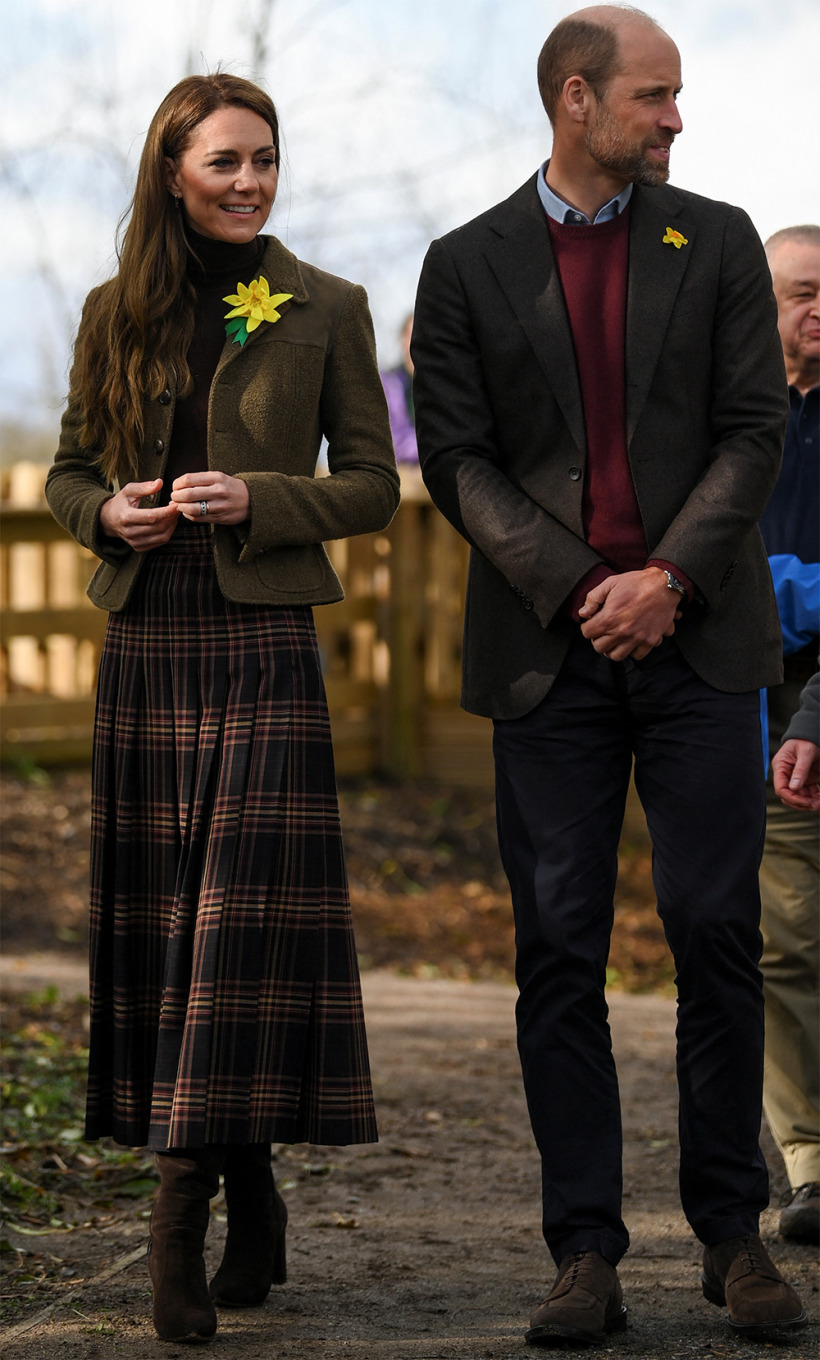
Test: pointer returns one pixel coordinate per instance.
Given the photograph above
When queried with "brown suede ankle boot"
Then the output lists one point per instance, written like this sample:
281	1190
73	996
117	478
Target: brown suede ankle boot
254	1256
182	1307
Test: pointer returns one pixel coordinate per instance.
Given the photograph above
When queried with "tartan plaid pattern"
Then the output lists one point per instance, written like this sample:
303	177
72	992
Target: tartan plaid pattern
225	998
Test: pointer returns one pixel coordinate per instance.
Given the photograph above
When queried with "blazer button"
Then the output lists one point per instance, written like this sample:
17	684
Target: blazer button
165	397
575	474
527	602
159	446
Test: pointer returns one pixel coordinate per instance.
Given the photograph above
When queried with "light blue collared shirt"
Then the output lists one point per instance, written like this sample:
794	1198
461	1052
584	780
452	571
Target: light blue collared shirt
560	211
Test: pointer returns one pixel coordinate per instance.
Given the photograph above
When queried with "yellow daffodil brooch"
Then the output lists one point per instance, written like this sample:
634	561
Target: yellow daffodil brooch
250	306
672	238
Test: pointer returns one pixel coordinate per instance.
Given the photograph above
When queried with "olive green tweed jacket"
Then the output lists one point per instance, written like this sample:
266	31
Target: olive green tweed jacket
312	374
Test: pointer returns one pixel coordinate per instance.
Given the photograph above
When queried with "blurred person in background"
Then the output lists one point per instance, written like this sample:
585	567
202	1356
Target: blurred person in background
225	1001
398	388
790	870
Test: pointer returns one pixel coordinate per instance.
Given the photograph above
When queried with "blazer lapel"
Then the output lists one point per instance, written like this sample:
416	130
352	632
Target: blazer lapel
520	255
281	269
656	271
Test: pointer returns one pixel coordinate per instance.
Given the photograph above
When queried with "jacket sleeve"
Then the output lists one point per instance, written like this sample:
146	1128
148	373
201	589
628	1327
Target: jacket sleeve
75	486
748	411
458	449
361	493
805	725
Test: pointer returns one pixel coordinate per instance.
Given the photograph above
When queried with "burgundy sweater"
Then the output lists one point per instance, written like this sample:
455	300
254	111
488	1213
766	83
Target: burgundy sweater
592	263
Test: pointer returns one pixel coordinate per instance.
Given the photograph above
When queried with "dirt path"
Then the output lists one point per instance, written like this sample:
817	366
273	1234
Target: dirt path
427	1245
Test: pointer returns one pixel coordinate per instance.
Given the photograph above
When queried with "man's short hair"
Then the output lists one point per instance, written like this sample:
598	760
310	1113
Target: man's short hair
580	47
807	235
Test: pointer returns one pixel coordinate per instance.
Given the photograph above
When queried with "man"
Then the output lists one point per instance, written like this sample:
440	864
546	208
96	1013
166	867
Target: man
790	872
600	406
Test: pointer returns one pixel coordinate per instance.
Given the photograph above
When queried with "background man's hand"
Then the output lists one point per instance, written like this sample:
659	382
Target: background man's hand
796	774
628	615
142	529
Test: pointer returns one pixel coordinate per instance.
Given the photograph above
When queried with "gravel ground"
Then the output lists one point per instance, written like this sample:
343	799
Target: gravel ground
426	1245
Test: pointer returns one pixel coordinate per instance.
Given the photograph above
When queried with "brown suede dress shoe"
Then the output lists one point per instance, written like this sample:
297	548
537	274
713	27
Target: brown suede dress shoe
585	1303
739	1275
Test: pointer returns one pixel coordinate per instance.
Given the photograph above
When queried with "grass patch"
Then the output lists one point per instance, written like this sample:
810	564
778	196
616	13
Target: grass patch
51	1181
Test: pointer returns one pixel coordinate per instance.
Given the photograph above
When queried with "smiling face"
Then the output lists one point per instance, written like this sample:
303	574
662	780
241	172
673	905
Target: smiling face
635	122
795	267
227	176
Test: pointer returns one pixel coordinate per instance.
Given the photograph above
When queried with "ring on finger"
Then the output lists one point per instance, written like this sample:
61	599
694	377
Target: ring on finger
203	508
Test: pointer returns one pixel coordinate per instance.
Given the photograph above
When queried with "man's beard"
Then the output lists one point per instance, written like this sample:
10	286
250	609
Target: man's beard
608	146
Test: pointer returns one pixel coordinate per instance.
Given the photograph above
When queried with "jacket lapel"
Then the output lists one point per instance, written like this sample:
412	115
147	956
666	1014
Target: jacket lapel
656	271
520	256
281	269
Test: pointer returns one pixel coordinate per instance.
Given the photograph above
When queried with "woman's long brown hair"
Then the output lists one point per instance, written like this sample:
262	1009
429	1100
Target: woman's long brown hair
137	327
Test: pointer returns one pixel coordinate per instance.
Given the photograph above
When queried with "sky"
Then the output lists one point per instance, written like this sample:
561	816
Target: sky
399	122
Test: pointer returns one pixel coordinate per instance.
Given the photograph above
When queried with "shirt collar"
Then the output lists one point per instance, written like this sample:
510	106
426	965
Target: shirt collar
560	211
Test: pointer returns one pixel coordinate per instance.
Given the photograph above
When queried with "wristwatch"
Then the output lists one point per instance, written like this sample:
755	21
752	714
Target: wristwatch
673	583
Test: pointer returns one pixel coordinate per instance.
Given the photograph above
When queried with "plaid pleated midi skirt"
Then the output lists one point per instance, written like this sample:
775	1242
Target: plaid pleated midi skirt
225	997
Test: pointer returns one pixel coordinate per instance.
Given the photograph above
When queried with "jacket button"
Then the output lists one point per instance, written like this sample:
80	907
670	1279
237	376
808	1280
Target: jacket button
165	397
527	602
575	474
159	446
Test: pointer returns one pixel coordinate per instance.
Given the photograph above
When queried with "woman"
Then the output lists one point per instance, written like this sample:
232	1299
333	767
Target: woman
225	1003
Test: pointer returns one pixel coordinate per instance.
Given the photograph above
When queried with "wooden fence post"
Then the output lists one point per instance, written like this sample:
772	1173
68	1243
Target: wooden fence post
390	650
402	754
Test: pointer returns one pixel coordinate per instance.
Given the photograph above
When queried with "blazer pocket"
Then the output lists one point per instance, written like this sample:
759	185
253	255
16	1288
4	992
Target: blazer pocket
297	570
103	579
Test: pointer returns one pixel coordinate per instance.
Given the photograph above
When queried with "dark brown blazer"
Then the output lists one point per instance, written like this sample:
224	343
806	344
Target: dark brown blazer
311	374
501	438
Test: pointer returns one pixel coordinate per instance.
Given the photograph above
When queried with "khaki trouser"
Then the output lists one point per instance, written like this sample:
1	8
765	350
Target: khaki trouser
789	881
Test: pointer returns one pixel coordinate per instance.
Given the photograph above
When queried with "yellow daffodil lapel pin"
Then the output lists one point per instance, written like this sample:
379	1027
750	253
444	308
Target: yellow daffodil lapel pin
674	238
250	306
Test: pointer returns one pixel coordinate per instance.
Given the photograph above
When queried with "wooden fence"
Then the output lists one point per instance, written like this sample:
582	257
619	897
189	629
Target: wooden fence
391	650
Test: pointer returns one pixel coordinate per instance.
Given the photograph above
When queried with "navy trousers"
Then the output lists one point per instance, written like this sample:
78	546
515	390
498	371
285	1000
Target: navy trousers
562	774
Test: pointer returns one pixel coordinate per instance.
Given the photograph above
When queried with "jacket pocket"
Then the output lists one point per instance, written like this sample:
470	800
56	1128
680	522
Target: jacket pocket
103	579
296	570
